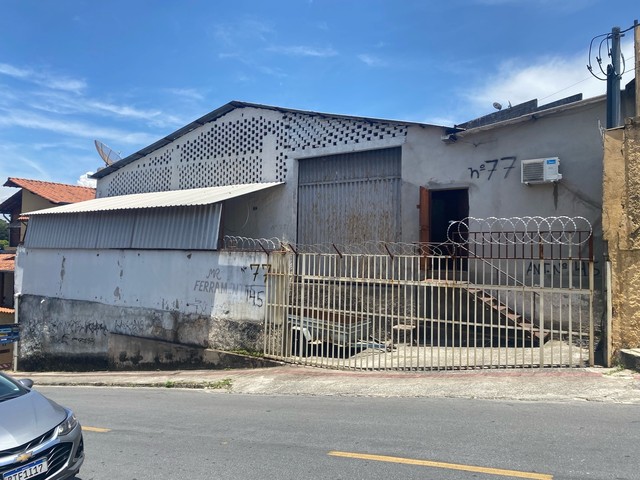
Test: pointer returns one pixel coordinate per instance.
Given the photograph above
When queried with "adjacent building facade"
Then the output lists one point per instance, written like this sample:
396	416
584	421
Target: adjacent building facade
32	195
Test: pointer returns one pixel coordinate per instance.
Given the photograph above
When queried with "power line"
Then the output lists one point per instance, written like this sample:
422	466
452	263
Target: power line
605	38
630	59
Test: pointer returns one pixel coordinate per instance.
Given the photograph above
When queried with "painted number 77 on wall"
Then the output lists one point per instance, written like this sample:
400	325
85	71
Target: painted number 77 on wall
256	268
491	166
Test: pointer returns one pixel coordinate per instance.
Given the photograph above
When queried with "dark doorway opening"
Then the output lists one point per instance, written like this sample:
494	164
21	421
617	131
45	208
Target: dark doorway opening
438	208
447	206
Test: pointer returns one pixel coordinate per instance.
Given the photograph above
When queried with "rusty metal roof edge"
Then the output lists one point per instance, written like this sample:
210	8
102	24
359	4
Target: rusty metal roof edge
166	199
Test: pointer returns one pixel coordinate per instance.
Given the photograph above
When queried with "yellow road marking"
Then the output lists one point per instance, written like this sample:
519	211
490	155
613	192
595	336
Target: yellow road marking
450	466
95	429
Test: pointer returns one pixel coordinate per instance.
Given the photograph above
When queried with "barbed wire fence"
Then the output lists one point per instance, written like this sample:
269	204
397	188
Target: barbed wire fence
561	230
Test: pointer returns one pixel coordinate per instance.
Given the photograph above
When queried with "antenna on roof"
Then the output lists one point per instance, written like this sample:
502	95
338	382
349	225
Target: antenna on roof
108	155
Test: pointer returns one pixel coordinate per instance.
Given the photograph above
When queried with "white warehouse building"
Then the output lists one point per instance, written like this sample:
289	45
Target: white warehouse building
147	257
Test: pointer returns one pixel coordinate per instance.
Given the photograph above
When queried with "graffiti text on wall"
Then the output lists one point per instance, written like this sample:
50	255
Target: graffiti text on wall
77	331
489	168
556	268
214	273
214	283
255	295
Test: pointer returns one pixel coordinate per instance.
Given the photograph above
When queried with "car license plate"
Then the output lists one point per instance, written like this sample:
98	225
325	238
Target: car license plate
27	471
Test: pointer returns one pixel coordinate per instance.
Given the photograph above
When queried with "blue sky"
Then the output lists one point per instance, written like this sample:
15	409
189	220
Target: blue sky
130	72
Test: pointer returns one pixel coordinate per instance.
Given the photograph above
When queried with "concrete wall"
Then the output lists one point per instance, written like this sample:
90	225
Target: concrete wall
249	145
621	224
32	203
217	284
571	135
70	301
128	352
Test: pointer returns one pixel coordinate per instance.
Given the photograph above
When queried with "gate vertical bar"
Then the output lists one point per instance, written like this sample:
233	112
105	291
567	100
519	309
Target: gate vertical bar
591	293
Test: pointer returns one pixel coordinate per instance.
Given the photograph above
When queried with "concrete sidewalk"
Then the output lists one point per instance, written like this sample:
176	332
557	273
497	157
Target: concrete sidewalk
555	385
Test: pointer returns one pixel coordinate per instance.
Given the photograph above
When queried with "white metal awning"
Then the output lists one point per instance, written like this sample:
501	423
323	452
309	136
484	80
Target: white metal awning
173	198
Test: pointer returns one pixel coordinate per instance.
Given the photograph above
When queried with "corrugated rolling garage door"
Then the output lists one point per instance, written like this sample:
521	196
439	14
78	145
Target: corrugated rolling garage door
350	198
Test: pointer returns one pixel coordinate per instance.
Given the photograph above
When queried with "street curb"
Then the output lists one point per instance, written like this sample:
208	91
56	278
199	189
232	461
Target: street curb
589	384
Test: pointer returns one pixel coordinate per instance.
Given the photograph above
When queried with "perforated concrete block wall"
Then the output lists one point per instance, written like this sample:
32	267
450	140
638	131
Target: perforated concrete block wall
247	145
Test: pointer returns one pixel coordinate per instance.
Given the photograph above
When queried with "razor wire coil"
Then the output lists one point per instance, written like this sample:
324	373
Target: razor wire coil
366	248
560	230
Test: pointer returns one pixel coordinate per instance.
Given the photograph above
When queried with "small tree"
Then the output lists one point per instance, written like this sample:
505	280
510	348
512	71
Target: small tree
4	231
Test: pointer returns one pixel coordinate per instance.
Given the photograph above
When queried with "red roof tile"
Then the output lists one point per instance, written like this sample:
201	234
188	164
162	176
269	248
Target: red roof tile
7	262
7	310
60	193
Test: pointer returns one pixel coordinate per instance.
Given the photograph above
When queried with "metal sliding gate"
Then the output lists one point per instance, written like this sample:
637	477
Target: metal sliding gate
514	292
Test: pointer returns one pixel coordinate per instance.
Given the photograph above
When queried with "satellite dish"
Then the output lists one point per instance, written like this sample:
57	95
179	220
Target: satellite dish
497	106
108	155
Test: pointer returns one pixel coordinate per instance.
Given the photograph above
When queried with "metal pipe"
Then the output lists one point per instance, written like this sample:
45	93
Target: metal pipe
613	81
16	302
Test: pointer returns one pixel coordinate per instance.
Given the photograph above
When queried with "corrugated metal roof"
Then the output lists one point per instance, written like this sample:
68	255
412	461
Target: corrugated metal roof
173	198
177	228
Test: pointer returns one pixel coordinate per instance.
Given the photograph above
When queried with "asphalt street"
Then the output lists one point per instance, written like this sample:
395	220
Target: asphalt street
173	433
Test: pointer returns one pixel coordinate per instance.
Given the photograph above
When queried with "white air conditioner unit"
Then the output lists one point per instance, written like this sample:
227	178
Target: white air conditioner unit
540	170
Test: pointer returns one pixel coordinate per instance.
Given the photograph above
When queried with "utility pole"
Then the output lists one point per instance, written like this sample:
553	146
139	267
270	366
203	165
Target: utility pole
613	81
636	31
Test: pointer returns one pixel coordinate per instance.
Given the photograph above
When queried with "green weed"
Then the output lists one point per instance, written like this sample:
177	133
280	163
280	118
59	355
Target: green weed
225	383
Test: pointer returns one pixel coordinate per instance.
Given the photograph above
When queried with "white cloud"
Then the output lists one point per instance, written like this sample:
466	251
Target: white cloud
546	79
441	121
61	83
274	72
32	166
243	31
85	181
225	55
303	51
371	60
65	104
26	119
250	63
47	146
11	71
123	110
190	93
43	78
